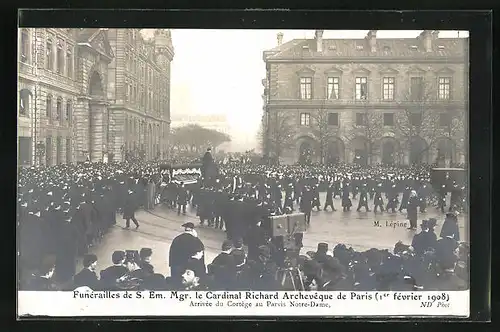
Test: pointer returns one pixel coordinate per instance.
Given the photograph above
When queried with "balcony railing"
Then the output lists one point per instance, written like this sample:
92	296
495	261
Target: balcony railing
55	77
26	68
369	102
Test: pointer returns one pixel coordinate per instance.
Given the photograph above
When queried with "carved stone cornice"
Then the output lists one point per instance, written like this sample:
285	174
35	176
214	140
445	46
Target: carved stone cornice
388	60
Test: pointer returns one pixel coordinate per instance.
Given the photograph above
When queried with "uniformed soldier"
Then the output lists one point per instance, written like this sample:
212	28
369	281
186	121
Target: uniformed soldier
182	198
405	199
346	201
412	210
329	197
378	202
363	198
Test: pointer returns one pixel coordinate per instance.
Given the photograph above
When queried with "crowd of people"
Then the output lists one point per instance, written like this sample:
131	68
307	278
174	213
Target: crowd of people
64	210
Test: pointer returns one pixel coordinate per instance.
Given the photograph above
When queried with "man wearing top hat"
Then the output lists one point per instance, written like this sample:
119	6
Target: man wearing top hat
412	210
129	210
185	247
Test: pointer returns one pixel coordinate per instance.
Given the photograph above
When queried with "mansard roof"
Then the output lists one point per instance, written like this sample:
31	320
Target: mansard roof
394	47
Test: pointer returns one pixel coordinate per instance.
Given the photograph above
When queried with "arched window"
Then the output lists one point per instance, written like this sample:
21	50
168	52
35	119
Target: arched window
24	102
59	109
50	55
69	115
48	108
25	46
69	63
60	58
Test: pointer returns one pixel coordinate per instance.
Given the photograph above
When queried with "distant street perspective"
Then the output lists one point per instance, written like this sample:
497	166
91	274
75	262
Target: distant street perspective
315	161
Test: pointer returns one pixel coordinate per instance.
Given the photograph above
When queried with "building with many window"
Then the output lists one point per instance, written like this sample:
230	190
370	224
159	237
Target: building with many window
369	100
92	94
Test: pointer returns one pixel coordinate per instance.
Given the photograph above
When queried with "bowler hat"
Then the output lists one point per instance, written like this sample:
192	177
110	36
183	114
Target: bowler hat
188	225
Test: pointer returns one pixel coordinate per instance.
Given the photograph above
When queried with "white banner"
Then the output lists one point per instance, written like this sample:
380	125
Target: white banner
149	303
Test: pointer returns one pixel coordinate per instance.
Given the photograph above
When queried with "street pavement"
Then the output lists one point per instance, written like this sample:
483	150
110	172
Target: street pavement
356	229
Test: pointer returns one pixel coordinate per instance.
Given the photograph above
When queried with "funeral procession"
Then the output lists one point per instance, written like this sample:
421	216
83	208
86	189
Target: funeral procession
286	161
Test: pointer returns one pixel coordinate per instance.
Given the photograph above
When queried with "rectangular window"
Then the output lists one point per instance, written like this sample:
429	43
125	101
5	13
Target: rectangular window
50	56
360	119
333	88
333	119
388	119
444	120
306	88
48	151
69	64
444	84
58	110
68	151
388	88
361	88
48	109
25	46
58	150
417	88
68	113
60	59
415	119
305	119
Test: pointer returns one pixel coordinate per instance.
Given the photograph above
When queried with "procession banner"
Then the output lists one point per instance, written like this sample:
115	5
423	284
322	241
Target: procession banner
243	303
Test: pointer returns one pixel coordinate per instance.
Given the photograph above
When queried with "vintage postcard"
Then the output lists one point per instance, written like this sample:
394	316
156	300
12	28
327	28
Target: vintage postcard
242	172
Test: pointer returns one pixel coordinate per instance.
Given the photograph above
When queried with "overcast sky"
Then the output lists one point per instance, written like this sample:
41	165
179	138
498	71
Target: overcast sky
220	71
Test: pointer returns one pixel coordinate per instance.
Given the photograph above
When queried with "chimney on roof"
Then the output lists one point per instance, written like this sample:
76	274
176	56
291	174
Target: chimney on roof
426	38
371	37
319	40
280	38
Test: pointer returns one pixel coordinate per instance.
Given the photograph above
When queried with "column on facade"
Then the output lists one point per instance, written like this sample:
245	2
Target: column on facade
97	111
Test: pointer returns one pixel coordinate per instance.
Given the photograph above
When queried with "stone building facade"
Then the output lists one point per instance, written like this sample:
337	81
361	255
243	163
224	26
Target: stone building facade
361	86
75	96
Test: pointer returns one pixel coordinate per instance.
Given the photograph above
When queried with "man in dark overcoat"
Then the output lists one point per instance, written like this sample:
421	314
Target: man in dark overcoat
184	248
129	209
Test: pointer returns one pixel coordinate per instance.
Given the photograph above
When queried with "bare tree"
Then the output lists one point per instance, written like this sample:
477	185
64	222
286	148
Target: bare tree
323	132
281	133
419	119
261	136
370	127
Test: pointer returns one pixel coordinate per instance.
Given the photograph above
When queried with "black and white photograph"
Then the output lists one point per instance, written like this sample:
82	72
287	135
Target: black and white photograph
239	162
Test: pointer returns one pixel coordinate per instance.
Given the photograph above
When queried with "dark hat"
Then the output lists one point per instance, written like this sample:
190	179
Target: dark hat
432	222
452	215
118	256
323	247
188	225
145	252
227	244
424	223
89	260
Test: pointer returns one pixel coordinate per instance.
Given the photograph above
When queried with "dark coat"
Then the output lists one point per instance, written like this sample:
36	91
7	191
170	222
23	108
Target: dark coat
183	247
450	228
86	278
110	275
130	207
